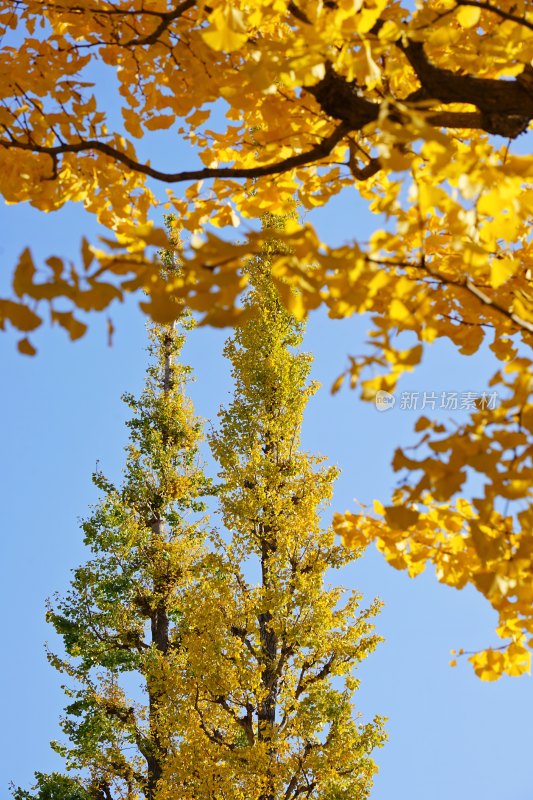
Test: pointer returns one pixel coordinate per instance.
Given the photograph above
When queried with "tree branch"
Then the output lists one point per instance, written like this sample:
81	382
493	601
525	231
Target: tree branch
246	722
462	283
242	634
499	11
316	153
166	20
505	107
128	718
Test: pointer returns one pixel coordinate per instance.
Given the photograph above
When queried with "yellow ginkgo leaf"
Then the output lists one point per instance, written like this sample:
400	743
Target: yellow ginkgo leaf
338	383
227	31
160	122
75	328
398	310
378	507
468	16
400	517
501	270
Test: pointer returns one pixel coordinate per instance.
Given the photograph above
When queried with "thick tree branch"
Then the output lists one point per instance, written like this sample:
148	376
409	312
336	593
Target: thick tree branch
505	107
361	173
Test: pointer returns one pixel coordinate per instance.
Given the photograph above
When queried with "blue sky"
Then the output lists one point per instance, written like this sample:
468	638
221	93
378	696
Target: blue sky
450	734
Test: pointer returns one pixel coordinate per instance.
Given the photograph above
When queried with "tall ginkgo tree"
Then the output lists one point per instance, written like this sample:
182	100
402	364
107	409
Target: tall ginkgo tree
215	664
121	621
273	683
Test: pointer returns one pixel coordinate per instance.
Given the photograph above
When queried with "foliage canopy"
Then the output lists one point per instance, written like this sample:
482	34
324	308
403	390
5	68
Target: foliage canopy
410	106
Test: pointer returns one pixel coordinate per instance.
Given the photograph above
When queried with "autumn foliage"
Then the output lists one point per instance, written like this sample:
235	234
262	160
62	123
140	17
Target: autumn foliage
214	662
422	108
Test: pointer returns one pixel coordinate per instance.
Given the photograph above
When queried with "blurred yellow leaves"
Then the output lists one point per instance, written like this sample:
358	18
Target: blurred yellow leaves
501	270
451	245
21	317
468	16
490	665
484	541
226	30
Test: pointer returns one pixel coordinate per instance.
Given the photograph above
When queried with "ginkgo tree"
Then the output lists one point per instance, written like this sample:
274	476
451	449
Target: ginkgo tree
191	672
288	685
423	108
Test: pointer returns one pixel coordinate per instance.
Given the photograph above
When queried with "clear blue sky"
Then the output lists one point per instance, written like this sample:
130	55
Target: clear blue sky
450	734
